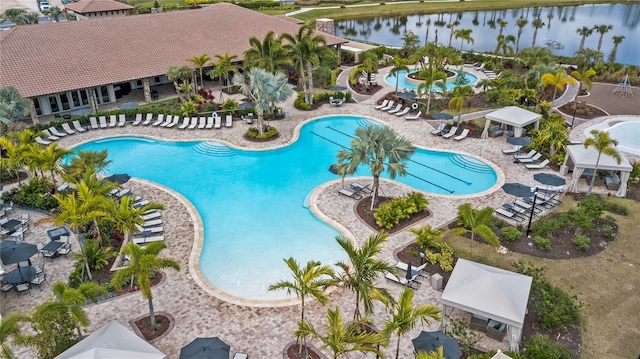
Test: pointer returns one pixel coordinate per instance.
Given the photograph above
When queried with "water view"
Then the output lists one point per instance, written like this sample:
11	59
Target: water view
560	25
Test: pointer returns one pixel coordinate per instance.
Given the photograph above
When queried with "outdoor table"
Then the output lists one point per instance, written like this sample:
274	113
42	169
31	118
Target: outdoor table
20	275
56	233
52	247
11	224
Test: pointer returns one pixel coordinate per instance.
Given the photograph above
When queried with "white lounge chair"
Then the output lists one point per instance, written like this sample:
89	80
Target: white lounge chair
122	120
148	119
54	131
49	135
527	155
218	122
166	122
78	127
511	150
124	192
194	123
388	107
185	123
414	117
67	128
152	223
533	159
463	135
113	120
94	123
150	229
395	109
103	121
159	120
145	240
228	121
346	192
538	166
383	104
438	130
414	270
42	142
404	111
150	216
209	122
202	123
141	204
174	122
409	283
138	119
451	133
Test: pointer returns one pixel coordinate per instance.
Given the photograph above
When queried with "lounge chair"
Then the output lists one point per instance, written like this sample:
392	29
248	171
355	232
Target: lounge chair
137	120
202	123
419	271
414	117
152	223
54	131
228	121
194	123
67	128
113	120
103	121
538	166
527	155
535	158
124	192
145	240
151	216
209	123
404	111
451	133
42	142
78	127
508	151
94	123
463	135
173	122
122	120
218	123
383	104
49	135
239	355
438	131
147	119
360	188
408	283
141	204
185	123
346	192
508	214
167	121
388	107
159	120
150	229
395	109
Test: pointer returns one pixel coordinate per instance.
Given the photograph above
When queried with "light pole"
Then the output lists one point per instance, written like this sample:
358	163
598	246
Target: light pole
533	207
574	115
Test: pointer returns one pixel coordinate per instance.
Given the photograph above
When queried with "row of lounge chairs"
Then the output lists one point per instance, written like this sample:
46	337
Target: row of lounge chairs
416	272
531	159
396	109
357	191
520	209
213	121
440	131
52	133
151	230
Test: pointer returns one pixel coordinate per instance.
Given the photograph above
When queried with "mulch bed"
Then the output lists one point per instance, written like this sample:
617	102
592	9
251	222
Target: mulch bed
362	209
293	350
251	139
584	111
144	325
13	179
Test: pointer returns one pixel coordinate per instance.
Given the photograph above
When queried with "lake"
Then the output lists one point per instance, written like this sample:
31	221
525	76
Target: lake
561	24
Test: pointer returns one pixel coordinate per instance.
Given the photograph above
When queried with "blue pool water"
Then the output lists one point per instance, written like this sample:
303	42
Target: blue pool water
252	202
403	84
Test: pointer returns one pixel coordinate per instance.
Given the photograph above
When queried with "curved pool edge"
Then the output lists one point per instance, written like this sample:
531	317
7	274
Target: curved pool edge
581	132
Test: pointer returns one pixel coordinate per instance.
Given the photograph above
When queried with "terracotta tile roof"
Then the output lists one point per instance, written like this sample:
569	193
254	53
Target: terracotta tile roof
290	19
49	58
87	6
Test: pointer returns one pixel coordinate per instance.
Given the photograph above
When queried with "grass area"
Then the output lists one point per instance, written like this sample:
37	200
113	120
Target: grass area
607	284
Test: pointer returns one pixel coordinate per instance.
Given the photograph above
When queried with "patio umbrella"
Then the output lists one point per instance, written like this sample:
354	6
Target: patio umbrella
431	341
246	105
7	244
337	88
517	189
128	105
549	179
205	348
82	111
442	116
409	275
519	141
18	253
118	178
406	95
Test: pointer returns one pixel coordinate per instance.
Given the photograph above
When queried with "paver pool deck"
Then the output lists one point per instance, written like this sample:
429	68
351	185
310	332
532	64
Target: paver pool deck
263	331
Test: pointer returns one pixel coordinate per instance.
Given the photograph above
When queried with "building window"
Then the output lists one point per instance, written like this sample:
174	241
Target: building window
156	80
64	100
139	83
53	103
36	104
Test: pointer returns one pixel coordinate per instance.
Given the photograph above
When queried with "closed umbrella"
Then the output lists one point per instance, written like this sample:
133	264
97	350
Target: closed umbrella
431	341
205	348
409	274
17	253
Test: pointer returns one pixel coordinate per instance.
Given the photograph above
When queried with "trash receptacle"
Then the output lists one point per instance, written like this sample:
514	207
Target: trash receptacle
436	281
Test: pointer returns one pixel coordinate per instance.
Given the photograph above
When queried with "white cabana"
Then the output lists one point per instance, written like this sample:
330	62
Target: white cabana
112	340
512	116
580	158
491	292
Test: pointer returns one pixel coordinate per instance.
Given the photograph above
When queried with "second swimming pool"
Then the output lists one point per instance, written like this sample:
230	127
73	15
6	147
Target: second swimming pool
252	202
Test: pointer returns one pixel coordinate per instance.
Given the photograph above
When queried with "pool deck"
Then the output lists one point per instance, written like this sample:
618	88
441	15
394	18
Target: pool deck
262	332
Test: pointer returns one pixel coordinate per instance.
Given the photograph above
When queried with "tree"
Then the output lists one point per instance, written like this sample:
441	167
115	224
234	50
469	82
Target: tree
369	64
410	42
603	143
553	136
55	12
381	150
10	333
464	35
587	56
12	105
53	330
49	159
521	23
503	24
476	221
451	26
360	277
12	14
439	354
584	77
459	96
142	265
28	18
533	56
602	29
503	46
263	88
584	32
83	161
296	47
558	81
74	299
223	68
268	55
125	216
537	24
12	157
199	62
405	317
176	74
616	41
310	281
398	66
431	77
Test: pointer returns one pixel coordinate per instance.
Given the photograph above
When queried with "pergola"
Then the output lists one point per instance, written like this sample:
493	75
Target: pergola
512	116
491	292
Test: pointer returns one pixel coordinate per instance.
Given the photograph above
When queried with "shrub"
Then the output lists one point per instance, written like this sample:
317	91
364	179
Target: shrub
188	108
300	102
267	132
545	226
540	346
618	208
593	206
444	257
511	233
391	212
579	218
426	236
542	243
582	242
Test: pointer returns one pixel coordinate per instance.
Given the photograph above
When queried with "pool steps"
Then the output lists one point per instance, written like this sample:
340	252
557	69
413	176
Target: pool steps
213	149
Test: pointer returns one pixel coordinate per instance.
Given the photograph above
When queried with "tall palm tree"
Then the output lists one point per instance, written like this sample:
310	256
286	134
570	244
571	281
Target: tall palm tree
521	23
603	143
10	333
362	271
602	29
464	35
584	77
431	77
296	47
268	54
426	36
379	148
503	24
438	354
177	74
557	80
76	298
12	157
459	96
199	62
142	265
263	88
83	161
49	159
476	221
502	46
370	64
451	26
587	56
584	32
223	68
616	41
12	105
343	338
125	216
315	49
405	317
398	66
537	24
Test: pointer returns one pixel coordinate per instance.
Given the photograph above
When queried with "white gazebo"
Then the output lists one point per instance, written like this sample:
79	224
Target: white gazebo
581	158
491	292
512	116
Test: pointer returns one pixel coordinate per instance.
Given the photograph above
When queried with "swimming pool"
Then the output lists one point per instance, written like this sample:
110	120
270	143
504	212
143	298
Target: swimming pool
625	129
252	202
406	85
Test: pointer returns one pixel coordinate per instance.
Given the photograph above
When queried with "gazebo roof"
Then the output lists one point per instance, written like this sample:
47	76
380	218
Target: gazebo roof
514	116
587	157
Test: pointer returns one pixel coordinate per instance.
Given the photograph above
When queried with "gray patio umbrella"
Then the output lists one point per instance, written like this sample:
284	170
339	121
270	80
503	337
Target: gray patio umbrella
205	348
18	253
519	141
82	111
549	179
409	274
246	105
431	341
517	189
7	244
121	178
337	88
128	105
442	116
405	95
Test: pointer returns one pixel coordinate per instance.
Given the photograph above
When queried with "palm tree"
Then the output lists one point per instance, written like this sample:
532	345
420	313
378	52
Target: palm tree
10	333
398	65
223	68
369	63
14	159
12	14
451	26
459	96
464	35
310	281
199	62
537	24
405	317
476	221
533	56
558	81
362	270
55	12
49	159
83	161
343	338
380	149
426	36
584	77
587	56
296	47
521	23
503	24
268	55
616	41
176	74
126	217
263	88
584	32
12	105
142	265
76	298
553	134
603	143
431	77
439	354
503	44
602	29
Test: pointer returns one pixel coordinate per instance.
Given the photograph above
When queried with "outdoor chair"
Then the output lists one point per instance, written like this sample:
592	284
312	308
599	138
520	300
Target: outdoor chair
94	123
194	123
103	121
418	270
404	111
202	123
240	356
55	132
185	123
64	250
23	287
49	136
527	155
396	109
346	192
463	135
42	142
451	132
383	104
122	120
78	127
148	119
39	279
209	123
67	129
388	107
167	121
159	120
228	121
414	117
539	166
5	288
438	130
478	323
218	122
360	188
533	158
413	284
138	119
173	122
113	121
